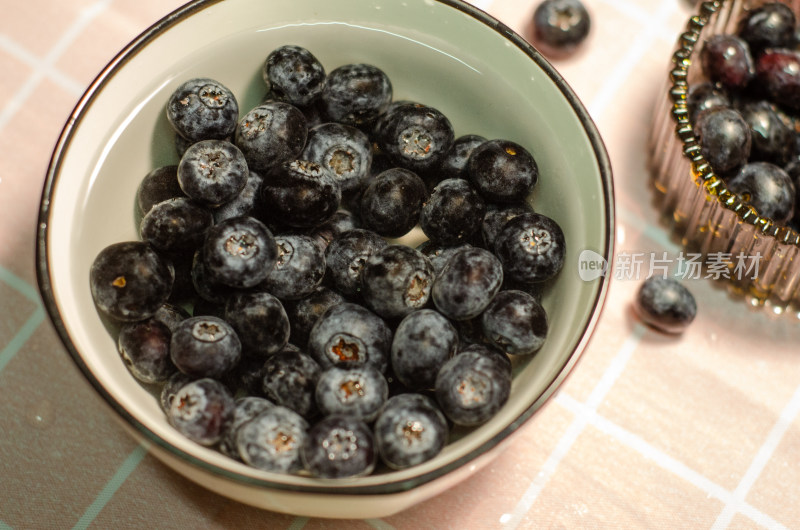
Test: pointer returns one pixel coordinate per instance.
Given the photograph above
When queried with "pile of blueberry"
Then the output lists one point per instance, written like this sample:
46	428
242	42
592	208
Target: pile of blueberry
746	114
269	302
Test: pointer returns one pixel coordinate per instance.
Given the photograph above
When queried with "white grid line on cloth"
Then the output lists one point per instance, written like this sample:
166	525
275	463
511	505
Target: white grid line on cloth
762	457
19	52
653	232
577	426
643	17
298	523
114	483
663	460
23	334
483	5
41	70
623	69
379	524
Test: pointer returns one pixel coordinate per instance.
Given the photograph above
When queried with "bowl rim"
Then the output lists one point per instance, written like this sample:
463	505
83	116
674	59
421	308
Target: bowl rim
323	486
701	171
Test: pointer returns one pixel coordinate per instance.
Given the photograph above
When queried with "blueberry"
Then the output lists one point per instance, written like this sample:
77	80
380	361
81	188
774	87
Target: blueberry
182	144
290	378
346	256
170	389
486	350
415	137
205	347
358	391
203	109
259	320
244	409
423	341
397	280
203	307
379	124
239	252
454	162
176	225
772	139
295	73
301	194
771	25
438	254
392	202
208	288
212	172
468	282
171	315
245	378
201	410
349	334
183	291
778	74
273	440
472	386
665	304
270	134
157	186
144	347
304	313
536	289
343	151
356	94
339	446
496	218
766	187
130	280
726	60
704	95
312	112
725	138
410	430
247	202
502	171
453	212
560	26
299	269
531	247
515	323
380	162
340	222
470	331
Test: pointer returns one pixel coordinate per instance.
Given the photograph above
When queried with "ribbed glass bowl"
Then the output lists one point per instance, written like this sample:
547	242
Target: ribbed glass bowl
709	219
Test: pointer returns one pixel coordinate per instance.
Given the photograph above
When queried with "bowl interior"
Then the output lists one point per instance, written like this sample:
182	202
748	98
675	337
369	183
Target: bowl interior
444	54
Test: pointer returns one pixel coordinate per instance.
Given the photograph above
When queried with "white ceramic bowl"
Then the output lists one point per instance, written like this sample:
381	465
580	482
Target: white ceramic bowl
444	53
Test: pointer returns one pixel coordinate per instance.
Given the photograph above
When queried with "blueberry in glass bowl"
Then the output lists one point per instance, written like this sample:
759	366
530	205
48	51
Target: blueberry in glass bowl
734	80
442	53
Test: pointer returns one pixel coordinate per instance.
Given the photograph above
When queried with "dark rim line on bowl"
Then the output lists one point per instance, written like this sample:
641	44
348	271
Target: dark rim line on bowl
713	185
324	487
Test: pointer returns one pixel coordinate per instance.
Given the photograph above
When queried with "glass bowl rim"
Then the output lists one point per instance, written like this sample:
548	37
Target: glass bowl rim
713	185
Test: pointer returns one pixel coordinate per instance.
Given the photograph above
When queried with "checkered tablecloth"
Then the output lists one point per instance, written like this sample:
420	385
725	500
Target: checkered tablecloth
649	431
